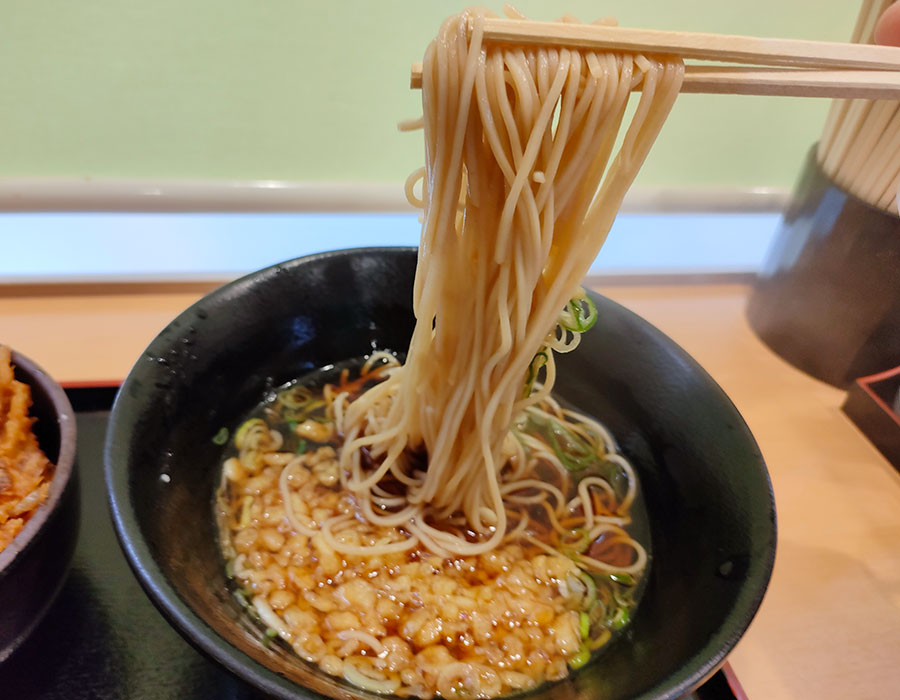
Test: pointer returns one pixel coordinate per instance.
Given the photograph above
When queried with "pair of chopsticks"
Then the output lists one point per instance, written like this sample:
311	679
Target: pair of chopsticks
788	67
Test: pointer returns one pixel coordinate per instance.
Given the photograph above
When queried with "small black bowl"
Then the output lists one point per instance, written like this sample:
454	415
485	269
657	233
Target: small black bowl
34	565
707	491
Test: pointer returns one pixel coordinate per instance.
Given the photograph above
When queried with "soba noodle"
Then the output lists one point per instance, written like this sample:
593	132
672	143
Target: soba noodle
444	525
519	194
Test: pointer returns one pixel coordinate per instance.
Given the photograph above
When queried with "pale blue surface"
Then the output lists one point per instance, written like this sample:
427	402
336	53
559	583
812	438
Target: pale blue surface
58	247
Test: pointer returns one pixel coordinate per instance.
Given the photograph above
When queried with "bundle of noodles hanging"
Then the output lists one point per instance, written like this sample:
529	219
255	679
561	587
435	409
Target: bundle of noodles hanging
445	526
520	190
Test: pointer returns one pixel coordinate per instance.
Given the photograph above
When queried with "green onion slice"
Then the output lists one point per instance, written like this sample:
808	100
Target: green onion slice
537	362
584	625
245	428
624	579
620	619
575	453
579	315
591	594
581	543
582	656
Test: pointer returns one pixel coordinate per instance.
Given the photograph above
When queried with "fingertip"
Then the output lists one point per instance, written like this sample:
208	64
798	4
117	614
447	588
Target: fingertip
887	30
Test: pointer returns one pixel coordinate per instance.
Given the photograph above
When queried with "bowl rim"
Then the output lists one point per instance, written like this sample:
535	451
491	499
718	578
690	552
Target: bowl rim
204	637
65	462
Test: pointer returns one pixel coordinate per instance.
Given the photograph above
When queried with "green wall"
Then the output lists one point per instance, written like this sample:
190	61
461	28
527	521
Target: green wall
301	90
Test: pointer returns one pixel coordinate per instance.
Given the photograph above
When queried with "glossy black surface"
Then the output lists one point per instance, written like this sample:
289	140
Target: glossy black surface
34	565
873	403
712	512
102	638
828	296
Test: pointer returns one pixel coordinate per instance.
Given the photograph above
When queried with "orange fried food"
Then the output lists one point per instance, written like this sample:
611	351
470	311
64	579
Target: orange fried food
24	470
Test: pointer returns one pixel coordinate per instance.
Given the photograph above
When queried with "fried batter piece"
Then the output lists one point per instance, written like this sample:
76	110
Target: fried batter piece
25	472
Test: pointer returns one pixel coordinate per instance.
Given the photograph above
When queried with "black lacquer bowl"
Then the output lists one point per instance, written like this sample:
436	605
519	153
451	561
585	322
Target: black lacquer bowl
707	491
34	565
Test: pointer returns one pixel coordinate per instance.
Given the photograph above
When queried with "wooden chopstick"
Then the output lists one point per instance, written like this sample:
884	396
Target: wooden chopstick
709	47
792	82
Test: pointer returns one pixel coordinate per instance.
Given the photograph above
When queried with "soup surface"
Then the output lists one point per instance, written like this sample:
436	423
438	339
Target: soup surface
353	599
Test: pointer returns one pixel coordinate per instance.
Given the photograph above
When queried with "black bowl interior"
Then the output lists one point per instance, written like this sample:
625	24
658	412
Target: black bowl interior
707	490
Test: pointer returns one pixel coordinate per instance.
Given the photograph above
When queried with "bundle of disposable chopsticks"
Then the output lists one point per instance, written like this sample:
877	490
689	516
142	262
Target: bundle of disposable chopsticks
860	145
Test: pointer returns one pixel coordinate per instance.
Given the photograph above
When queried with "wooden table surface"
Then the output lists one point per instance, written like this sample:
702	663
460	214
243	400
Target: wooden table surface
829	627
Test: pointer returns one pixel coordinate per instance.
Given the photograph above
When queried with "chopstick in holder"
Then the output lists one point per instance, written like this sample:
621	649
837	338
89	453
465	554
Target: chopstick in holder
793	82
709	47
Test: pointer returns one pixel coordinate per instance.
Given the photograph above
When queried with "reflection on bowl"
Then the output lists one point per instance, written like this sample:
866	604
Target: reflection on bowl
706	487
34	565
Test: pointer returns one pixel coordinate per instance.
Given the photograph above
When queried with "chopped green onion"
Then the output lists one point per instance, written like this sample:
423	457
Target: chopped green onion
292	425
221	437
295	397
624	601
575	453
613	474
581	657
620	619
581	543
242	599
591	585
300	411
271	632
624	579
590	318
245	428
537	362
584	624
229	568
301	447
576	317
571	554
